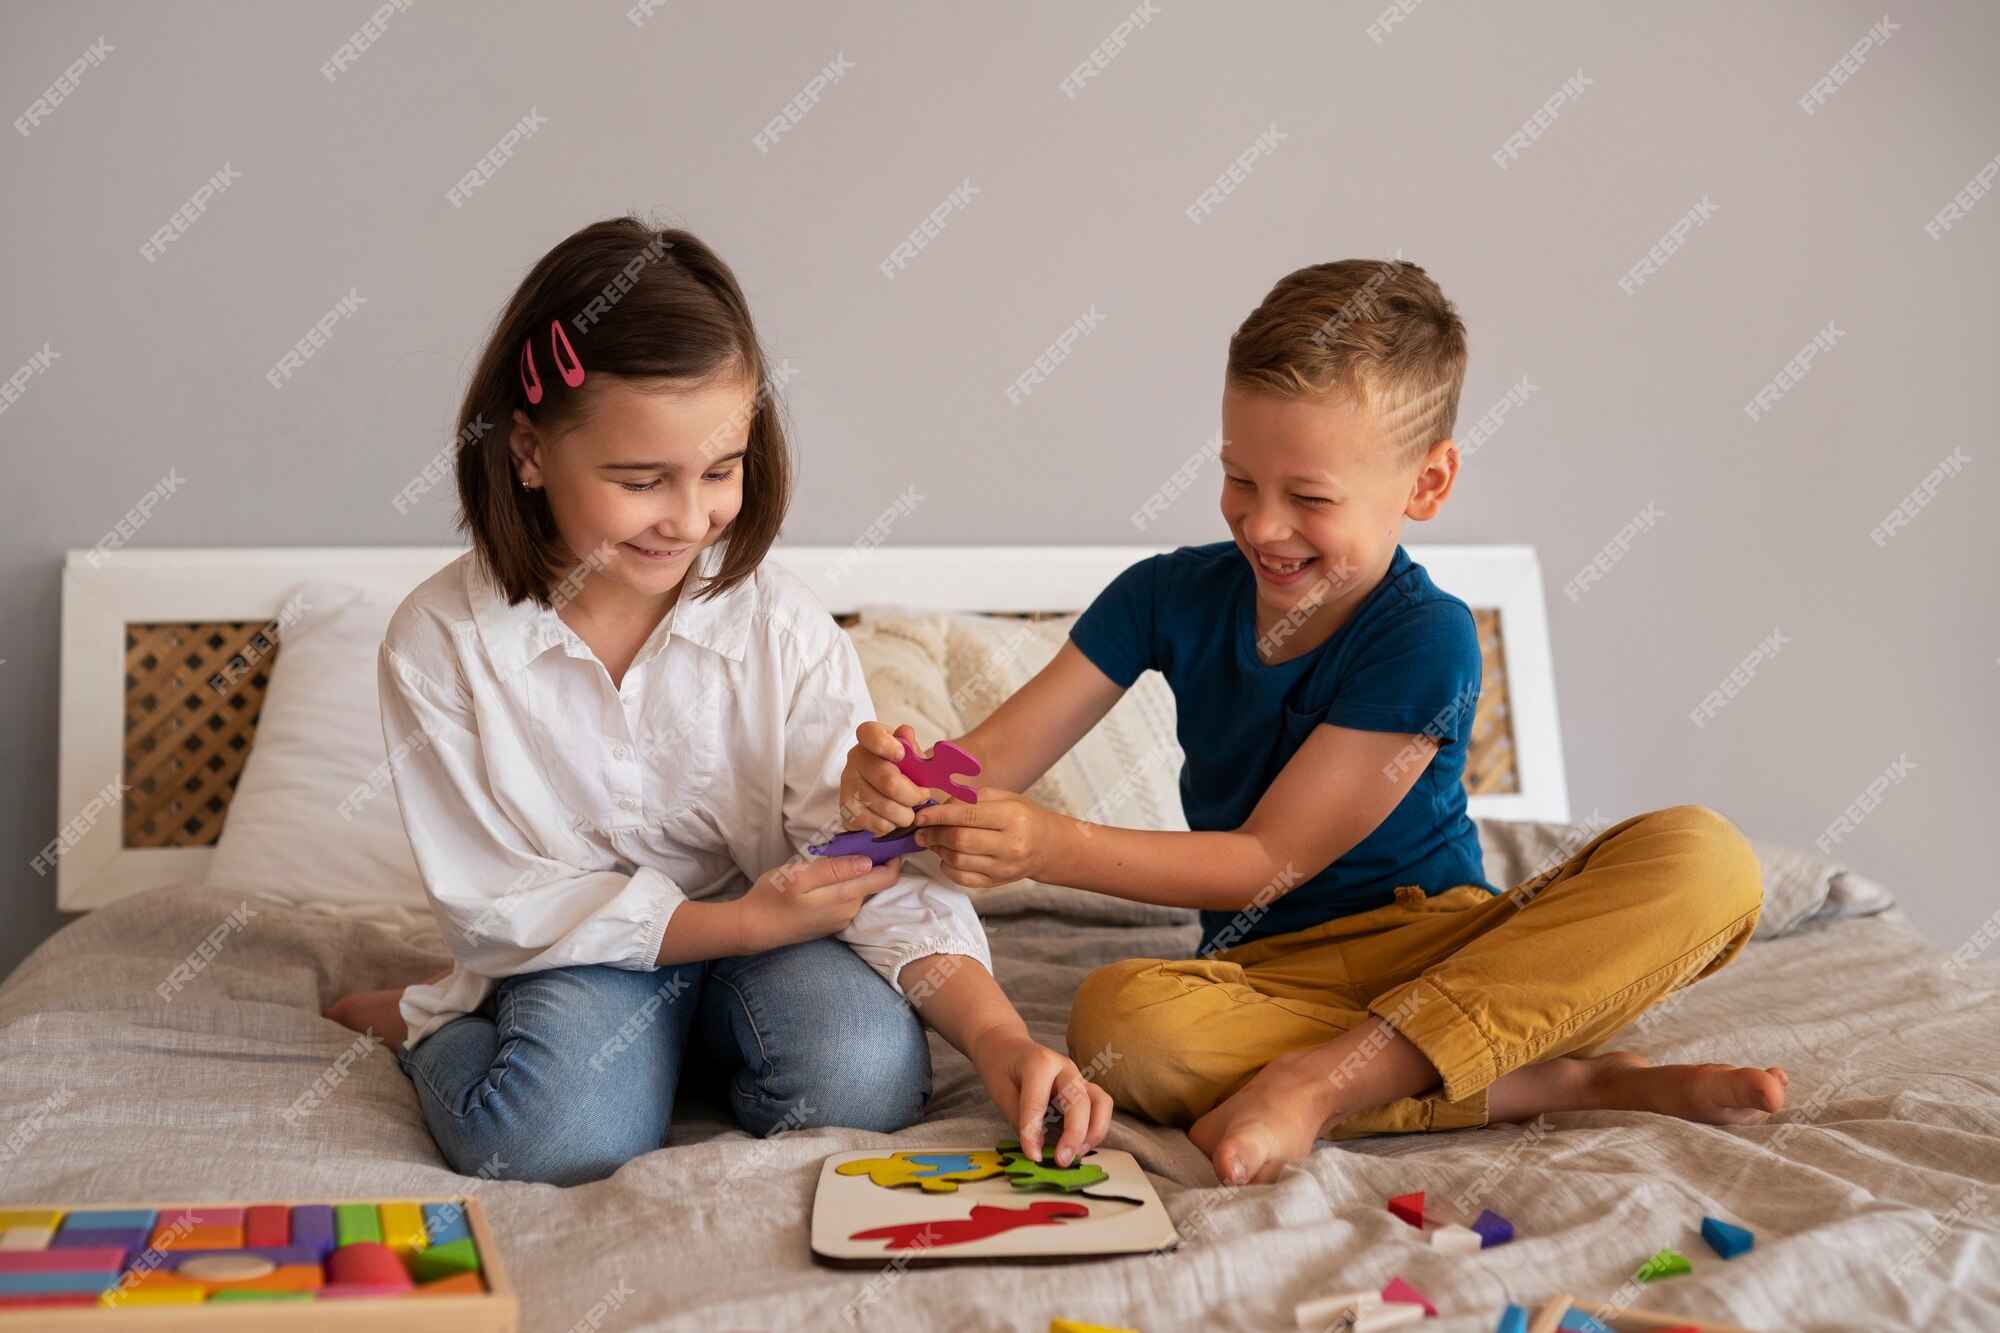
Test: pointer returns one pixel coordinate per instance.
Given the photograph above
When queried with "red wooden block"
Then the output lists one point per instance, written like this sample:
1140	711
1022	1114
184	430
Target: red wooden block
15	1302
366	1263
267	1224
1409	1207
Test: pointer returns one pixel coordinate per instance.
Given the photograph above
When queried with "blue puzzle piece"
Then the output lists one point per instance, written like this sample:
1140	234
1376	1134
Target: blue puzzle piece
941	1162
1724	1239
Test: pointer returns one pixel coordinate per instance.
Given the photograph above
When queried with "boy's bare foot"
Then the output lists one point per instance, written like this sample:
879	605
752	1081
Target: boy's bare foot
1269	1121
377	1012
1621	1081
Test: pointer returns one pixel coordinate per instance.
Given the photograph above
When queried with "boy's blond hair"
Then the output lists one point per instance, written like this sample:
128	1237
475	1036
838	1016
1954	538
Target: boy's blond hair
1378	333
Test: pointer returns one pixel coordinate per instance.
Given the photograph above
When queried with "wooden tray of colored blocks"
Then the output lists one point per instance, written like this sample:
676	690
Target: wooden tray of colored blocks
398	1266
941	1206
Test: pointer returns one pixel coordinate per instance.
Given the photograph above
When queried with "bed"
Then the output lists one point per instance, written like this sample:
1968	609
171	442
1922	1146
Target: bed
168	1044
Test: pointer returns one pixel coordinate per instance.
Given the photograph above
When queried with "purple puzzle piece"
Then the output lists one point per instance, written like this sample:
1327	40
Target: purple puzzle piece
946	759
877	848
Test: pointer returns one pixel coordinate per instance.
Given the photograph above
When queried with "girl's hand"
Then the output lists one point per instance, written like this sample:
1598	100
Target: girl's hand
1033	1085
874	793
1003	838
804	900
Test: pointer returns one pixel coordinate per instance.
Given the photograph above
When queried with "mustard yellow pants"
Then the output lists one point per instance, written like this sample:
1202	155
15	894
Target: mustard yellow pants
1481	984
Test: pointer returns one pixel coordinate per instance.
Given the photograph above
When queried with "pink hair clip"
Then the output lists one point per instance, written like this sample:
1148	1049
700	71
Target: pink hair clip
558	344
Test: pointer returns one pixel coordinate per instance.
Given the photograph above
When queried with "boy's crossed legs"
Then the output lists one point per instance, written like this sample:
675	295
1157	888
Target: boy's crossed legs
1441	1013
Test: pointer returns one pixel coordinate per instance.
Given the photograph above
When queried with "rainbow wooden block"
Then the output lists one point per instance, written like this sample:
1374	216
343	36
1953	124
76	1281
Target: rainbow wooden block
332	1264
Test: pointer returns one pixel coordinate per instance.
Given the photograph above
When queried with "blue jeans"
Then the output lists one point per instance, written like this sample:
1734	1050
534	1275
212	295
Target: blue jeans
563	1076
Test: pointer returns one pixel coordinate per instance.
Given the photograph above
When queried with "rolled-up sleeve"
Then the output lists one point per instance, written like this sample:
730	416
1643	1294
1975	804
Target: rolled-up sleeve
502	907
922	913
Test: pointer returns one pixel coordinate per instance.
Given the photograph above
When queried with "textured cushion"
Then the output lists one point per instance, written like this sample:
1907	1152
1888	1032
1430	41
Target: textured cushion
943	674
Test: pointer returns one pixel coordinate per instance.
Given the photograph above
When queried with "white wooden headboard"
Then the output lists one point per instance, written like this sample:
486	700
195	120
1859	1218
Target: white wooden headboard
103	592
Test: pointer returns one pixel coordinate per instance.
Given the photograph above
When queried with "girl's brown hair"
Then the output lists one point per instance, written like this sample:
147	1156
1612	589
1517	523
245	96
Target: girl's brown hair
640	303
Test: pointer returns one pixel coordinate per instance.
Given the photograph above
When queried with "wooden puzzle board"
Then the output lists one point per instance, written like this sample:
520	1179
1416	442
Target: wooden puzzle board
1118	1216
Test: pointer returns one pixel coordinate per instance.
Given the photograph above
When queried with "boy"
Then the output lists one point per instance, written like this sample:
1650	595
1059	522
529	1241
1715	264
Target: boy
1357	975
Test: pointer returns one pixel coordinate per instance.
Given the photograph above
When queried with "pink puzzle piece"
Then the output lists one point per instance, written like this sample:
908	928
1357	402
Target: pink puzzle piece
936	771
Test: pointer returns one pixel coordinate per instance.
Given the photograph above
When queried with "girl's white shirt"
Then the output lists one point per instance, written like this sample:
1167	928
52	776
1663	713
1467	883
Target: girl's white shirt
558	820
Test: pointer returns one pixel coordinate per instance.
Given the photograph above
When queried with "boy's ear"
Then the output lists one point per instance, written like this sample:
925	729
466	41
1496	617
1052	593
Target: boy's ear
1435	477
524	442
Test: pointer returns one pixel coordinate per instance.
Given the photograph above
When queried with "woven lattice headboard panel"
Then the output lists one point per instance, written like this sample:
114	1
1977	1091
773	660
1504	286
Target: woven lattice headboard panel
193	693
192	696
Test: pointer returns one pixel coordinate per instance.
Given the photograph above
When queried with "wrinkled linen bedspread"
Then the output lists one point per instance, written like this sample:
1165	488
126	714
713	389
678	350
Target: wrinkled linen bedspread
1885	1164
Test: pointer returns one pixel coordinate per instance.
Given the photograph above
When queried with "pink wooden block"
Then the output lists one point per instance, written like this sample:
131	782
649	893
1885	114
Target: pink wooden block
75	1259
199	1217
1402	1293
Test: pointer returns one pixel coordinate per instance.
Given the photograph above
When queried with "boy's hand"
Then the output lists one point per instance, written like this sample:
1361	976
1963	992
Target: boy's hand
1003	838
804	900
874	793
1033	1085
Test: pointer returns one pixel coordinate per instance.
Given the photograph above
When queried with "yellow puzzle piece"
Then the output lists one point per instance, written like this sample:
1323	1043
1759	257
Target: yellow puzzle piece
933	1172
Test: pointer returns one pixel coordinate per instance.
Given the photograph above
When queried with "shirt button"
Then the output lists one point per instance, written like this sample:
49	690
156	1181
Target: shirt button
627	803
621	752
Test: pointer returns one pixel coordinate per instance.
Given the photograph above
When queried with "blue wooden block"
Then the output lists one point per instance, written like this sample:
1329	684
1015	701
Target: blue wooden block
1493	1229
109	1219
445	1223
1724	1239
1579	1321
1513	1319
54	1284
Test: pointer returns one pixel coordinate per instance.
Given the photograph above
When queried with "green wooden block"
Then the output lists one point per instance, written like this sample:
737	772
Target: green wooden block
1667	1263
356	1221
233	1296
455	1256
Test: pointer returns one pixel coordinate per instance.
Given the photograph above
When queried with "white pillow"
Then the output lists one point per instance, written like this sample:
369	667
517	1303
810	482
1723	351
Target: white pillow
314	820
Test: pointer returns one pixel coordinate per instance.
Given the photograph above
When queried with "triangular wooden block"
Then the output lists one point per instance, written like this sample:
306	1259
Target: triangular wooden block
1493	1229
1667	1263
1455	1239
1724	1239
1409	1207
1399	1292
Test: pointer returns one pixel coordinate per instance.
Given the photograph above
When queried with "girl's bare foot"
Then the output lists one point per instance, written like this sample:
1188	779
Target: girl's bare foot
378	1013
1621	1081
1271	1120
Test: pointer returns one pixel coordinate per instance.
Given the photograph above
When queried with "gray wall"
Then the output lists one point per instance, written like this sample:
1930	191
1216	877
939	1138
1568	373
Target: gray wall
1891	650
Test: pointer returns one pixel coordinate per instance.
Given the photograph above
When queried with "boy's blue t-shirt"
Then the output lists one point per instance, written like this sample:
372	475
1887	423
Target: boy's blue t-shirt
1407	660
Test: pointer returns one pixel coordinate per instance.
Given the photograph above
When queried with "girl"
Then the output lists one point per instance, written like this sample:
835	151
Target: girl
617	717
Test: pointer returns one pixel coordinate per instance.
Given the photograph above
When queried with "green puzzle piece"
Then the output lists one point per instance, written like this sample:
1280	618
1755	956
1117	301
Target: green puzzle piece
1027	1175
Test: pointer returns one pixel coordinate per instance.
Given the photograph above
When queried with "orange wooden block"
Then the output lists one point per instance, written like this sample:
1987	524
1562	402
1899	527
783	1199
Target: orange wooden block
458	1284
291	1277
155	1287
199	1238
